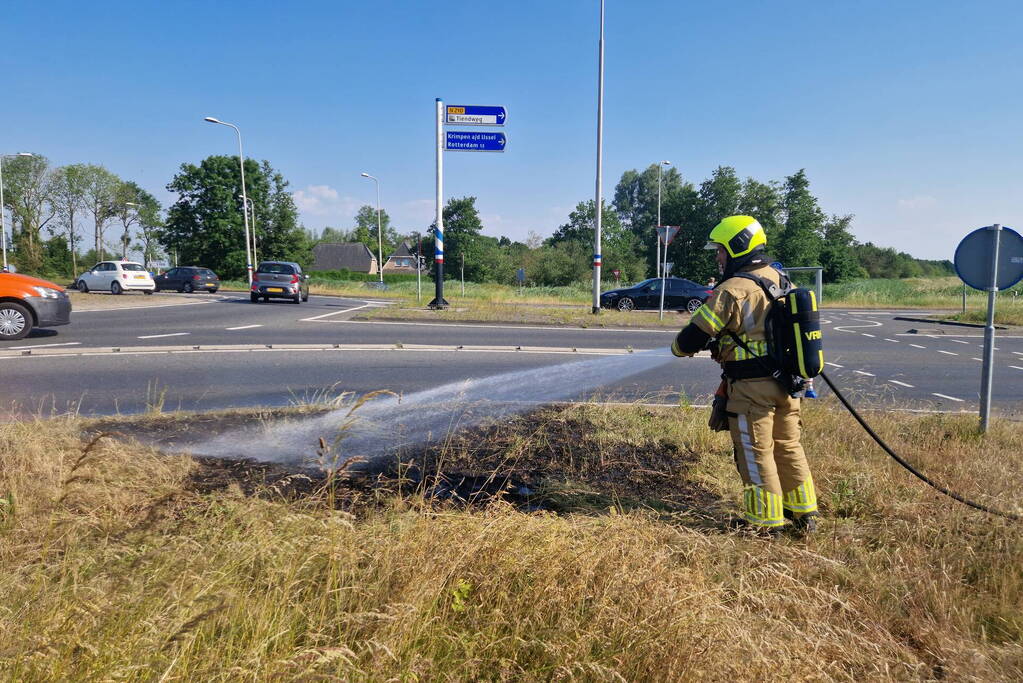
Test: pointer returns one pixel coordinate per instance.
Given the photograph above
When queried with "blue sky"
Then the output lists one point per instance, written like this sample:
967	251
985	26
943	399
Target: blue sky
903	113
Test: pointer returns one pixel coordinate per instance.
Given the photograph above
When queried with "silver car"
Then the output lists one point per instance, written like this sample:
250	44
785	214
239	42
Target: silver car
279	280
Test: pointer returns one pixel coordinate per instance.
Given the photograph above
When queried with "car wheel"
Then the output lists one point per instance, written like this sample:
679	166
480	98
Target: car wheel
148	291
213	291
187	288
82	287
254	298
693	304
626	304
15	321
298	298
306	297
115	287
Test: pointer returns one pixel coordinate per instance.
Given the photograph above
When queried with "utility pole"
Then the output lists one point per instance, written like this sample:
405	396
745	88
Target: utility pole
598	204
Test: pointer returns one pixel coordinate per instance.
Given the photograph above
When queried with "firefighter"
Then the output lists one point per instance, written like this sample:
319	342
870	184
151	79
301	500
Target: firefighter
762	416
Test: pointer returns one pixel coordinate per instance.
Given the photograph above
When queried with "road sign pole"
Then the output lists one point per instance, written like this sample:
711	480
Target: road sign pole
438	235
664	271
989	334
598	208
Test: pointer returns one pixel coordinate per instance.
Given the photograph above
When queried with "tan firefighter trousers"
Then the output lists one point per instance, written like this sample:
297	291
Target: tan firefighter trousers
765	426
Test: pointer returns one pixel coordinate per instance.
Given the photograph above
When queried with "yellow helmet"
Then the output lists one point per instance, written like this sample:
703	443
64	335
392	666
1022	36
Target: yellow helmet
739	235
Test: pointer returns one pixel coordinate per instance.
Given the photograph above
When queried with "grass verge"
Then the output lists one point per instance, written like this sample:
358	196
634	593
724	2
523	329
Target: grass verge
608	559
104	300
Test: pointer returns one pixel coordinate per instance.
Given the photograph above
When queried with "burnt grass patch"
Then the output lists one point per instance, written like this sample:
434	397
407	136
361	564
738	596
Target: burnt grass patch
581	458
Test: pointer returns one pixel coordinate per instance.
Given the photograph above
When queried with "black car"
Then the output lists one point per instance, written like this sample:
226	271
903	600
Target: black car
680	295
188	279
279	280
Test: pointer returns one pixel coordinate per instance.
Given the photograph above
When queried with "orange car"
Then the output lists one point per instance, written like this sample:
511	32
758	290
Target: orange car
27	302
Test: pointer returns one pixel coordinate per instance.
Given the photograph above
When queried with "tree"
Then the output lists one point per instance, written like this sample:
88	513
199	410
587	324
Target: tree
67	196
837	256
635	201
801	237
125	207
365	230
619	246
26	194
206	225
100	196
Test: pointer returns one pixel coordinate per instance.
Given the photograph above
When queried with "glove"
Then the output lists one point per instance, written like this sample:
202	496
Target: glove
718	421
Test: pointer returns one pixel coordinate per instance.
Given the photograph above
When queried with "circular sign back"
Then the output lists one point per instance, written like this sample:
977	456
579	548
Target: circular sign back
973	258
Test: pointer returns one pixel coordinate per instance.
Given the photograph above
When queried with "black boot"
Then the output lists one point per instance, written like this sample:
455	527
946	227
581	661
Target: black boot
803	525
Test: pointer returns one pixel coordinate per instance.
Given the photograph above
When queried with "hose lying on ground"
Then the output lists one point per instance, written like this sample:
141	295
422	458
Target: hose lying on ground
920	475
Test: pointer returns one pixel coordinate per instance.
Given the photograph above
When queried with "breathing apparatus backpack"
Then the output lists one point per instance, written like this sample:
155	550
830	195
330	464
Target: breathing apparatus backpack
795	346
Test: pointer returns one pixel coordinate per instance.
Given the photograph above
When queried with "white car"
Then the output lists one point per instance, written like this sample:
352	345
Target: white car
116	277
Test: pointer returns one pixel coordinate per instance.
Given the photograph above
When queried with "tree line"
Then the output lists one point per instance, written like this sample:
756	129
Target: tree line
89	214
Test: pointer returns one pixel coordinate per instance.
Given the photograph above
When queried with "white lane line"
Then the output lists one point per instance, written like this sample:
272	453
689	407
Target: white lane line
157	336
40	346
242	327
894	341
1018	353
980	359
861	372
948	353
1015	367
917	346
950	398
834	365
958	341
867	335
901	384
509	327
327	315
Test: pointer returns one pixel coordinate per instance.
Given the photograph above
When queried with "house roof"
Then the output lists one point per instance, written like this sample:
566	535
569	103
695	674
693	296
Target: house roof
402	251
354	256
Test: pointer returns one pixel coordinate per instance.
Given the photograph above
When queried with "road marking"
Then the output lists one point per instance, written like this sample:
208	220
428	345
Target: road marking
135	308
894	341
950	398
243	327
1015	367
980	359
506	327
958	341
41	346
917	346
948	353
861	372
834	365
866	335
157	336
1018	353
327	315
901	384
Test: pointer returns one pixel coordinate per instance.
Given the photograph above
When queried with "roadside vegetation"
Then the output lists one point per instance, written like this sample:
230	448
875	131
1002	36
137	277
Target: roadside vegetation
587	542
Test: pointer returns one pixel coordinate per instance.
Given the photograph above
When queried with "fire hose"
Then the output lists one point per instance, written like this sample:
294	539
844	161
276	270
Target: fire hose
915	472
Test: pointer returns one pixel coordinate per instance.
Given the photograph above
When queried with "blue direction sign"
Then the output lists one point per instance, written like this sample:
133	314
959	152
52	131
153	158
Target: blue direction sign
469	141
474	115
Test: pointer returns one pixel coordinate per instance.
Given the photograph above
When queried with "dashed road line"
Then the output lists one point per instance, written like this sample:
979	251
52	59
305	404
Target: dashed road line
866	335
861	372
42	346
242	327
917	346
950	398
343	310
958	341
901	384
980	359
948	353
894	341
169	334
834	365
1015	367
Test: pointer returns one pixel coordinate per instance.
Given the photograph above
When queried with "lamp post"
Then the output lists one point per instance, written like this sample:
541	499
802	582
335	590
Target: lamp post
252	211
657	236
380	236
245	214
3	211
598	203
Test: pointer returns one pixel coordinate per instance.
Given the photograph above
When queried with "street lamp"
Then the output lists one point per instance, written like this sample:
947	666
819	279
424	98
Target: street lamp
3	211
380	237
245	214
657	235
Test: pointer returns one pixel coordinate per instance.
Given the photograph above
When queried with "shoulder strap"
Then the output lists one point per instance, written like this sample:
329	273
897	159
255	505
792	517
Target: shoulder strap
772	290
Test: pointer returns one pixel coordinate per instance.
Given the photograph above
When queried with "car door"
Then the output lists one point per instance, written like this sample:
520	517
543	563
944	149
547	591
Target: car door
650	296
675	296
110	273
91	276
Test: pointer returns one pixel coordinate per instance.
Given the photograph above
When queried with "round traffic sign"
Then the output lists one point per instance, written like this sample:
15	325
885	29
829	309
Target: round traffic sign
973	258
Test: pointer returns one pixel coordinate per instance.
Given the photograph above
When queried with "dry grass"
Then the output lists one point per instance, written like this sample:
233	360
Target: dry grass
113	566
104	300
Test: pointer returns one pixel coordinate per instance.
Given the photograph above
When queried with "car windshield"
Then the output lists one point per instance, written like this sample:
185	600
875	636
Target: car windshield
276	268
131	266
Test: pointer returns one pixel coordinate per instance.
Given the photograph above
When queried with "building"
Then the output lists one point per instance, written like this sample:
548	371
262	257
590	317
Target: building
401	261
351	256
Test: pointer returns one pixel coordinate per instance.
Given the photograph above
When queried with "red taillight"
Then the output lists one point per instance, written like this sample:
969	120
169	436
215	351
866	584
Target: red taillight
195	277
294	279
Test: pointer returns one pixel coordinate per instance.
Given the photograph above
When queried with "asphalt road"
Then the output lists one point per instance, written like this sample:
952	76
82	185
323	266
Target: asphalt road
213	353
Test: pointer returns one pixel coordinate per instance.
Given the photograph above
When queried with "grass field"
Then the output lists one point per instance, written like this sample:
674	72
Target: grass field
609	559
